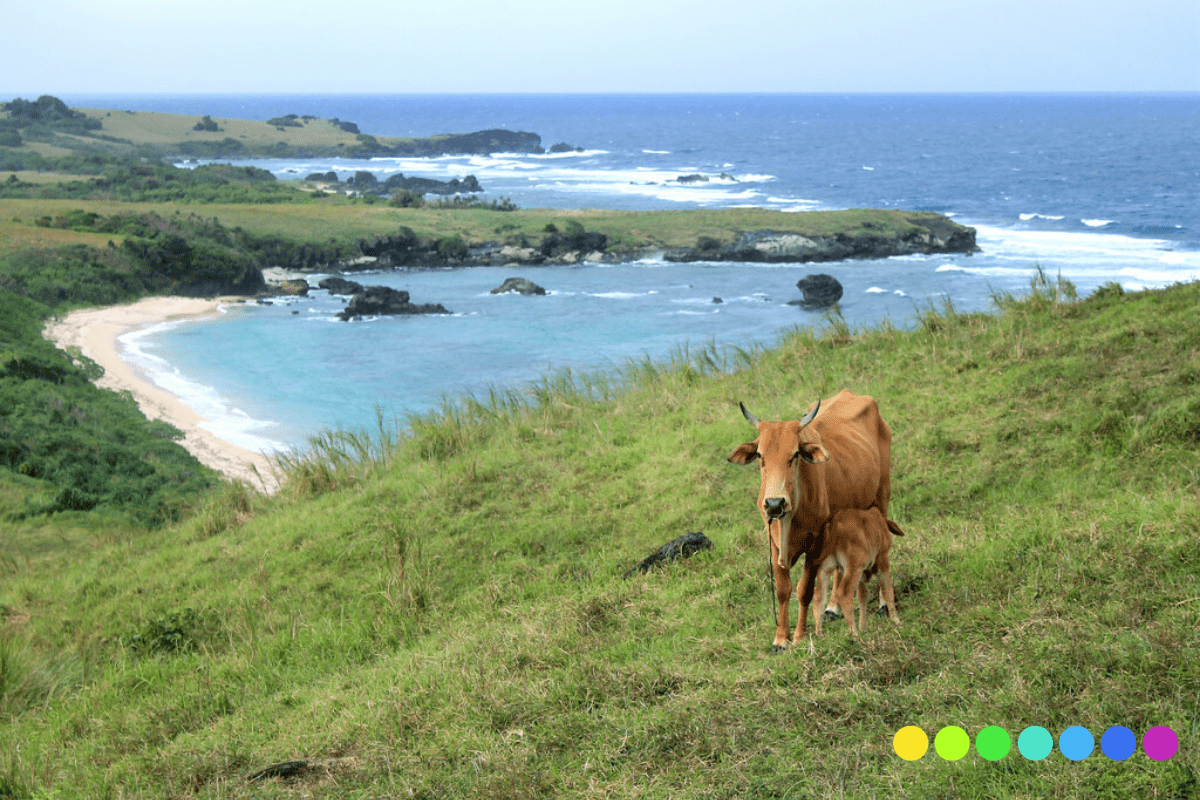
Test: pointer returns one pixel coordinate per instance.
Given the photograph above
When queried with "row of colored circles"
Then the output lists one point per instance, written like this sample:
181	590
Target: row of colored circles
1035	743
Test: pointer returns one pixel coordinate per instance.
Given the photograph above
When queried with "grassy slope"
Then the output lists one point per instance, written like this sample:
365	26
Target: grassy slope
448	619
340	218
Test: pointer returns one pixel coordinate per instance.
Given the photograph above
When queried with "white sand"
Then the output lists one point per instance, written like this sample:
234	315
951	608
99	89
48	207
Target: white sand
94	331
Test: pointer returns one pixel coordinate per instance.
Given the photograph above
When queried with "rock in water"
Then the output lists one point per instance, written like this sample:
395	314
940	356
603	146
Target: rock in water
519	285
297	287
381	300
820	291
336	285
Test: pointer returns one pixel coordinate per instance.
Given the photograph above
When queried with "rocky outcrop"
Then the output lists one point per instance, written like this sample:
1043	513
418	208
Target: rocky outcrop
376	301
572	244
398	183
365	182
519	286
820	291
924	234
336	285
297	287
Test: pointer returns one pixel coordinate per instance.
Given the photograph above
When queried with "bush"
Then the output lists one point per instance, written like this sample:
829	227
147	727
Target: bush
206	124
452	248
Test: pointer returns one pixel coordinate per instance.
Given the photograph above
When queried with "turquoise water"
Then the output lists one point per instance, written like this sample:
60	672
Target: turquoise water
1095	188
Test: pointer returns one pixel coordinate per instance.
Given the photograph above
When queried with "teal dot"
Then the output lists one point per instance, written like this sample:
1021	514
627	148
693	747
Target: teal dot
1035	743
1076	743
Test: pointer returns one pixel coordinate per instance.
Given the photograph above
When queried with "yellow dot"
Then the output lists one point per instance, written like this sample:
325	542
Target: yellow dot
910	743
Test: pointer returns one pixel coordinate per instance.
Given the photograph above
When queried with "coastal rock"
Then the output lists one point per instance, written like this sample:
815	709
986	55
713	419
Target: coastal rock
917	233
513	254
820	291
520	286
336	285
297	287
376	301
399	183
571	247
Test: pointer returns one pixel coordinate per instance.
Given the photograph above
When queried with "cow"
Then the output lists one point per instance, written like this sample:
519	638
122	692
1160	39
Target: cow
836	456
857	542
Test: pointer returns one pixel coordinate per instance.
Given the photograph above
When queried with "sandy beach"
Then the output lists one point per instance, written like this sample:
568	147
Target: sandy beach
95	332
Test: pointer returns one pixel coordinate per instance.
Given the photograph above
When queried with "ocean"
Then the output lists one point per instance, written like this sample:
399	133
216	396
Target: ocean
1092	187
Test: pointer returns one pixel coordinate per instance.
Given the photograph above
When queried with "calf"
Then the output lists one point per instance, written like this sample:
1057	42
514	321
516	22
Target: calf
855	541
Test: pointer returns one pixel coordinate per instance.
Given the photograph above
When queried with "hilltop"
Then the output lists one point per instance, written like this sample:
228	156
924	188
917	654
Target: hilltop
439	611
48	127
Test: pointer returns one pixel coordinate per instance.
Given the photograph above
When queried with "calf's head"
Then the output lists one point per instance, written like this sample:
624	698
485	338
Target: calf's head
781	448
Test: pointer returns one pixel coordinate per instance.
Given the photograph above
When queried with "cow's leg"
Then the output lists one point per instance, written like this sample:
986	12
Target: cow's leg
847	586
887	594
833	611
862	603
783	597
823	572
804	595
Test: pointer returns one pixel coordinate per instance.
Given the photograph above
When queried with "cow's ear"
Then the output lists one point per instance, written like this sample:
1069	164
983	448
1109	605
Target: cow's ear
744	454
814	453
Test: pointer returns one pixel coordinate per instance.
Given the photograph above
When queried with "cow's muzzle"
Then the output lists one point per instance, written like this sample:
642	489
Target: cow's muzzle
776	507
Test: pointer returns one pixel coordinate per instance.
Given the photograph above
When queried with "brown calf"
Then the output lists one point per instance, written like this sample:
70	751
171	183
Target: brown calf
857	542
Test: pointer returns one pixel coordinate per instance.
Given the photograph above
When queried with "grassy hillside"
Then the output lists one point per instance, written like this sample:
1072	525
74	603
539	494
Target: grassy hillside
443	615
31	223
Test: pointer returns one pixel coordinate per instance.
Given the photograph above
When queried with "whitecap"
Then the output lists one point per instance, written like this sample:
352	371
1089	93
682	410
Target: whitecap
875	290
1096	223
1028	217
657	152
868	169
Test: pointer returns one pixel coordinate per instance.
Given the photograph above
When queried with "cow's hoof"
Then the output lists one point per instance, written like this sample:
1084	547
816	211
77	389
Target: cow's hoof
883	611
777	649
831	615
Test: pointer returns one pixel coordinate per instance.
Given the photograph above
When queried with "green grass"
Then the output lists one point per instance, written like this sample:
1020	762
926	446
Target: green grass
442	613
338	217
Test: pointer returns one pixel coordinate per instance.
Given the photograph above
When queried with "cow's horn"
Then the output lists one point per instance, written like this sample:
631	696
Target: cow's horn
746	413
811	415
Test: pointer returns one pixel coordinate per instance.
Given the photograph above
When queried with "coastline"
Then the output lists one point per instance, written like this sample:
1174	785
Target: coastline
96	331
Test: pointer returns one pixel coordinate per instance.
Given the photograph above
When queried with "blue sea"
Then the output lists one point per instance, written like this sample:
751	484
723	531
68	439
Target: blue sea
1094	188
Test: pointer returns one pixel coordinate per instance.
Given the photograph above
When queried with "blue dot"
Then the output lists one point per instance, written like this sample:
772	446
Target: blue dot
1076	743
1118	743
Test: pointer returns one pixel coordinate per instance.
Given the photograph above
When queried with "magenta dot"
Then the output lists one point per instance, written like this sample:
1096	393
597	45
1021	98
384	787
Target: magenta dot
1160	743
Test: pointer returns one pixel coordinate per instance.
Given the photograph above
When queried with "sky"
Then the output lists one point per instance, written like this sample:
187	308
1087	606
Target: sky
537	46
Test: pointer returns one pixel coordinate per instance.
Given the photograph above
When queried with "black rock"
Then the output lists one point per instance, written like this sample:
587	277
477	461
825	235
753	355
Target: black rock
820	291
681	547
520	286
383	300
336	285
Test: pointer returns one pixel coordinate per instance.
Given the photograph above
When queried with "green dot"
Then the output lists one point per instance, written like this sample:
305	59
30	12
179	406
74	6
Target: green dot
951	743
993	743
1035	743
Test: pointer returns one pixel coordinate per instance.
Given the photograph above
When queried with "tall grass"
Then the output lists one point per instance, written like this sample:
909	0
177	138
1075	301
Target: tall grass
437	609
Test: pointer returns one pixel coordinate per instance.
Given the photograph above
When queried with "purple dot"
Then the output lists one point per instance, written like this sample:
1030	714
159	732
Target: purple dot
1160	743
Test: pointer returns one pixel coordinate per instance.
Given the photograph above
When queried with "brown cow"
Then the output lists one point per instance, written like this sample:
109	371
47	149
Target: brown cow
857	543
811	469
